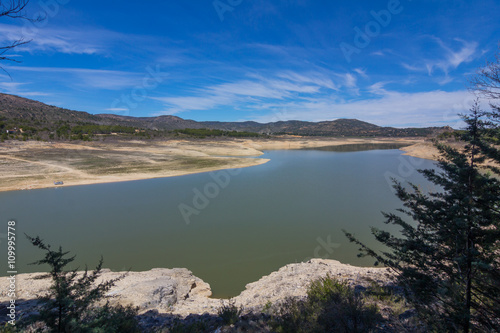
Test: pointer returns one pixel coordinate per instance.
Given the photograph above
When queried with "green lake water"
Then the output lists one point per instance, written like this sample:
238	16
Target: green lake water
228	227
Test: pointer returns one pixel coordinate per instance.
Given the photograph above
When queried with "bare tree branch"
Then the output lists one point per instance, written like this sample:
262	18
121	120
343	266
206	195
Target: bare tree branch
14	9
486	82
4	49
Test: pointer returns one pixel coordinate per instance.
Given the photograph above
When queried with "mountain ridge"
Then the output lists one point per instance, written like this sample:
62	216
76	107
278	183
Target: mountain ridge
33	113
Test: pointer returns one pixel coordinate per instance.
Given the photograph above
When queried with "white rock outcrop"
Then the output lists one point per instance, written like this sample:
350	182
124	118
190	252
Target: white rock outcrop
178	292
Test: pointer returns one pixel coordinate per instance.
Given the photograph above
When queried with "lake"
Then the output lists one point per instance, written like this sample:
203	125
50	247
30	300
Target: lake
228	227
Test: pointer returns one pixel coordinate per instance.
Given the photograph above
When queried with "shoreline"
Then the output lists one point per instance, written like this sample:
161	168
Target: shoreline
178	291
121	179
37	165
424	150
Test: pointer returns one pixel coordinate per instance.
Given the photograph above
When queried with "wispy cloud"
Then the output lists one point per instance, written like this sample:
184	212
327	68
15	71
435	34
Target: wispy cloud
254	91
179	104
117	109
378	88
449	60
379	53
90	78
411	67
87	40
452	59
361	72
56	40
18	88
314	78
349	80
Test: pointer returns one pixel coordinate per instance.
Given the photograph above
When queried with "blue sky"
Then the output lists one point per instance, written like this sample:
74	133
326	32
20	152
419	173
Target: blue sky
392	63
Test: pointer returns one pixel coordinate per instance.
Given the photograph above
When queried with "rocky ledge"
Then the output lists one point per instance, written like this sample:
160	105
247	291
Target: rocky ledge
176	292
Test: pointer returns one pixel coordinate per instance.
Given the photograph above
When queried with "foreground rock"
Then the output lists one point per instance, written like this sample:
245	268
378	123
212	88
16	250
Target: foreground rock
163	294
292	281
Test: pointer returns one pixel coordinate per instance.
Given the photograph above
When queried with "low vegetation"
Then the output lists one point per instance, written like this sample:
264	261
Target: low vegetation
330	306
212	133
21	129
229	313
74	300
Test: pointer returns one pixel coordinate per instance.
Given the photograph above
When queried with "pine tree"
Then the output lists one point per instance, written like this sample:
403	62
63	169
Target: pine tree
448	258
70	303
486	84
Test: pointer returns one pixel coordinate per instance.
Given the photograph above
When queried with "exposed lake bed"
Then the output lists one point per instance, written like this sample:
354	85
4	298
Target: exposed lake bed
33	164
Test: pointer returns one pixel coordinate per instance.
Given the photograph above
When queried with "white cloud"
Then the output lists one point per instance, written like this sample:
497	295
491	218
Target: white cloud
465	54
447	61
83	41
293	96
314	78
93	78
17	88
253	93
434	108
378	53
248	88
361	72
378	88
179	104
10	86
350	80
411	68
117	109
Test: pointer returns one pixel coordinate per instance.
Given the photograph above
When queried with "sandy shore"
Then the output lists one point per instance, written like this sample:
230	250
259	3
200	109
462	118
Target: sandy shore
424	150
32	165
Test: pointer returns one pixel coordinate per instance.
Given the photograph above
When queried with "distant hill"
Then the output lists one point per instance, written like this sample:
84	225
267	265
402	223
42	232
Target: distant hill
18	112
14	107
